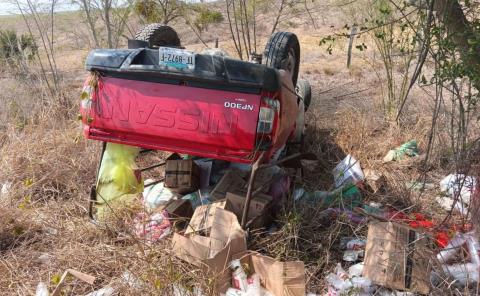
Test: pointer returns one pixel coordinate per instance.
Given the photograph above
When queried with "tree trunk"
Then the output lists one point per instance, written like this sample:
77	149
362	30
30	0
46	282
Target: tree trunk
108	26
459	29
91	22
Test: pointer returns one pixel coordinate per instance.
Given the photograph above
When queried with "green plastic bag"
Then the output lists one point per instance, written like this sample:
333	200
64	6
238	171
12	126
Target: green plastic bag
118	180
409	148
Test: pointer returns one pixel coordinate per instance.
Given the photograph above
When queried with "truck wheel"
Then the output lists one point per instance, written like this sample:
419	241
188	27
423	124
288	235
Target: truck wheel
304	90
158	35
283	52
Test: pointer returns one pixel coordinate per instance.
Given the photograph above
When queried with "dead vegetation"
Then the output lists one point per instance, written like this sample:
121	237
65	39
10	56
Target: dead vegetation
49	168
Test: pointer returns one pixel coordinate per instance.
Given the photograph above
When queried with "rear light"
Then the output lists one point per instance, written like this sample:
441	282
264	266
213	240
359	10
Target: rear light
86	97
265	120
86	103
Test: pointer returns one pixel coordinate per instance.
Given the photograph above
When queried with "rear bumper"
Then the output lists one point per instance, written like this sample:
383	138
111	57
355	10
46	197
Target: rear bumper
163	144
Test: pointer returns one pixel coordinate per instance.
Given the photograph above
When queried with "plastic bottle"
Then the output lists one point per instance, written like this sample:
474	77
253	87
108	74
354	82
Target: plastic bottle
239	277
42	290
356	269
473	248
234	292
362	283
452	248
463	273
254	289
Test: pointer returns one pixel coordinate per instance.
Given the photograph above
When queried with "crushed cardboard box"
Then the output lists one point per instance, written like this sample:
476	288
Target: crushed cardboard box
232	180
258	212
264	178
181	175
397	257
179	208
203	217
279	278
215	250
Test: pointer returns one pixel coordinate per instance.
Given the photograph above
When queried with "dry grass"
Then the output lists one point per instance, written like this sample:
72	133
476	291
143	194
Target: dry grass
44	228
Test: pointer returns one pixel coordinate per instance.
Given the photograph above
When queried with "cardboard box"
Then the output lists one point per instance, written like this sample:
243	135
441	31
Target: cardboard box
179	208
397	257
203	218
231	181
264	178
181	175
258	210
279	278
215	250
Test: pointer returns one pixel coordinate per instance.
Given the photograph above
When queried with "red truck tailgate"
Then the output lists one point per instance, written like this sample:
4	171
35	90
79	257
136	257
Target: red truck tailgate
198	121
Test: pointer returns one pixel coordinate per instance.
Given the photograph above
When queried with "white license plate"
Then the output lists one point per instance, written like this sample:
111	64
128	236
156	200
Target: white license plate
176	58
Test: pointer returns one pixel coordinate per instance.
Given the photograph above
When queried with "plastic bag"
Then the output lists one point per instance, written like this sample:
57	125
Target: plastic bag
119	181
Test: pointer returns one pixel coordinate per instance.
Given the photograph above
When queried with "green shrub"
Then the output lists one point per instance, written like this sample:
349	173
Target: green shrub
207	17
14	47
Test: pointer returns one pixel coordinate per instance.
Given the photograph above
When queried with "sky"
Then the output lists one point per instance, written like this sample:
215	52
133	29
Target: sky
6	8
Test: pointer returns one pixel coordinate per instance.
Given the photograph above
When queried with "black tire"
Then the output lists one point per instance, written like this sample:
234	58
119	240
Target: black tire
304	90
278	53
158	35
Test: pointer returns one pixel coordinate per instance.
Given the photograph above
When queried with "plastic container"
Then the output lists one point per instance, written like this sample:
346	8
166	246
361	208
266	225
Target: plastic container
239	277
254	288
356	269
234	292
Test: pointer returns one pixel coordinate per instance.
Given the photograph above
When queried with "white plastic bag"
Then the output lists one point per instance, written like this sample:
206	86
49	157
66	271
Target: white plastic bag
348	171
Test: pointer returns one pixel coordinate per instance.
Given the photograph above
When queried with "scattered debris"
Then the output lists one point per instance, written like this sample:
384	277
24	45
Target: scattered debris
197	198
342	283
348	171
353	255
205	165
77	274
212	249
181	175
374	179
409	148
179	208
5	191
419	186
42	290
463	273
105	291
152	228
397	257
278	278
459	185
214	239
448	204
203	217
259	213
231	181
348	196
45	258
157	194
131	280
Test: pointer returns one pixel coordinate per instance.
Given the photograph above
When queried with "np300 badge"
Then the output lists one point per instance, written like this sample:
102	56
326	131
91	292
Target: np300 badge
238	106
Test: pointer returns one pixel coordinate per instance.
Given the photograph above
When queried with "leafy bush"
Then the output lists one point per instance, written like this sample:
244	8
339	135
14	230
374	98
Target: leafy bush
159	11
14	47
207	17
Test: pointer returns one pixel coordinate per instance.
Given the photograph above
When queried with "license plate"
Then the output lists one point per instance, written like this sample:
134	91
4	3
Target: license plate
176	58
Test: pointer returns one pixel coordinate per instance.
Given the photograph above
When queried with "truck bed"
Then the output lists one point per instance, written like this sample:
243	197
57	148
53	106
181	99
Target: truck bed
206	112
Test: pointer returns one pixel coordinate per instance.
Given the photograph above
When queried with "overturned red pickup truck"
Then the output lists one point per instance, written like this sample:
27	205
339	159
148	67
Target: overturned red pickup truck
156	95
